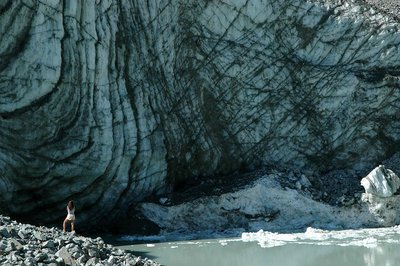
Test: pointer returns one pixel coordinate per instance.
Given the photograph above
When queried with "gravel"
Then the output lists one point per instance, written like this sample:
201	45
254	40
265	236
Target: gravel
24	244
388	6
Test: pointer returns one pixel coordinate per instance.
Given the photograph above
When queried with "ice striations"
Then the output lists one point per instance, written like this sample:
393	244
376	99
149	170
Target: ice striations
108	101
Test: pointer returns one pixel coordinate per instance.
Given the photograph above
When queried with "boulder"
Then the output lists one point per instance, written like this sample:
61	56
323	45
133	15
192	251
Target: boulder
92	262
39	235
15	244
48	244
40	257
66	256
4	232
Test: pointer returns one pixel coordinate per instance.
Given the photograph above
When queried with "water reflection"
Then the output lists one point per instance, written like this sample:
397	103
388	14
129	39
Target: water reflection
385	255
236	252
364	247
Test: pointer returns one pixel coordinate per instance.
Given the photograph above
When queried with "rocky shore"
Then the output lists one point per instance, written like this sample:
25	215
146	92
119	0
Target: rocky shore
24	244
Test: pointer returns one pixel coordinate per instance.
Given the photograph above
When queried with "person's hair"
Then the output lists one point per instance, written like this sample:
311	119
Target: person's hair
71	204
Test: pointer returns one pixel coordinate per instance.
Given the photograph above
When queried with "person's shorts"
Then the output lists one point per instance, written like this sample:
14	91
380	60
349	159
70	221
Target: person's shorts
71	217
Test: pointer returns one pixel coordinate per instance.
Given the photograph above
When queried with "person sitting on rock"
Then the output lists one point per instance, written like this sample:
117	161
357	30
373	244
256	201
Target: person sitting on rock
70	217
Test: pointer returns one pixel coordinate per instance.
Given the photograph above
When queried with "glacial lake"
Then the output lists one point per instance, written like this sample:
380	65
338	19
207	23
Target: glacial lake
310	248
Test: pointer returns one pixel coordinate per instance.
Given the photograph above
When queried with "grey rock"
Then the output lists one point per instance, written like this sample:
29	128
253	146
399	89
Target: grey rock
99	240
304	181
59	260
82	259
4	232
28	252
38	235
60	242
117	252
75	249
51	253
9	231
111	259
3	244
29	262
76	255
93	253
92	262
66	256
71	245
41	257
48	244
13	256
15	245
78	240
87	243
22	234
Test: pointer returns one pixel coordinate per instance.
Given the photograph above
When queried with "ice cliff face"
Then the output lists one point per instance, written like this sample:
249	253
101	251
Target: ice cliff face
108	101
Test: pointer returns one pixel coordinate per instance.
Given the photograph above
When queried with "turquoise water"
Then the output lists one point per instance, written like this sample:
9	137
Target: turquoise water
345	248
